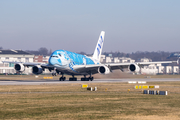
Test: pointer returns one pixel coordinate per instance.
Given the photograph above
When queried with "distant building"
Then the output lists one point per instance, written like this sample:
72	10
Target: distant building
116	60
46	59
161	69
38	58
109	59
172	70
102	59
14	56
145	60
149	70
126	60
169	70
176	69
110	55
41	58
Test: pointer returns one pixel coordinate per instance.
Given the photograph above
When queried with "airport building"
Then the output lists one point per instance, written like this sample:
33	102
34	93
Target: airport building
19	56
110	59
145	60
14	56
41	58
160	70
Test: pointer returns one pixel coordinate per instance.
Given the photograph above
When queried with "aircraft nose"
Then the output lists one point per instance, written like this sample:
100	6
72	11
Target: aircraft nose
51	61
54	61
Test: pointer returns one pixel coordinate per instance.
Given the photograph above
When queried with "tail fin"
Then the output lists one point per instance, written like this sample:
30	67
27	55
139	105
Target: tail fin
99	46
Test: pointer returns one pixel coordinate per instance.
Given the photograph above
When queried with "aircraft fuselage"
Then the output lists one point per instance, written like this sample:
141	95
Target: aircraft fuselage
64	61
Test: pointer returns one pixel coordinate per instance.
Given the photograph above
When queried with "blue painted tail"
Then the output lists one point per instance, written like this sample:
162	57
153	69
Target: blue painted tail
99	46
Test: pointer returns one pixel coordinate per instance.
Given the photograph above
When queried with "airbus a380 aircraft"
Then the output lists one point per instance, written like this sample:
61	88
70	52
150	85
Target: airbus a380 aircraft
65	62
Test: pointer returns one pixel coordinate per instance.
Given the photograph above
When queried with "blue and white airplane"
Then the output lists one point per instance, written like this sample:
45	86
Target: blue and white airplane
66	62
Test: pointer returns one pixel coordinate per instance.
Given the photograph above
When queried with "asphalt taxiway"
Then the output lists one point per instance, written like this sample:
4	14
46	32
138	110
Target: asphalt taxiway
41	82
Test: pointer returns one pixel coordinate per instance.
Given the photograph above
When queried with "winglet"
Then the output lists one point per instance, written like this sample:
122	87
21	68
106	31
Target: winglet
99	46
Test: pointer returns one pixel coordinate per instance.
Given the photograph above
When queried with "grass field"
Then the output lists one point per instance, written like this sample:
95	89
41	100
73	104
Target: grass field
70	101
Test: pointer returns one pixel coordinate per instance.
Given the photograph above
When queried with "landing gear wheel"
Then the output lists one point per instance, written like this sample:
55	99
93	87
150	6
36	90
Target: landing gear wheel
85	79
62	78
82	79
91	78
73	79
54	74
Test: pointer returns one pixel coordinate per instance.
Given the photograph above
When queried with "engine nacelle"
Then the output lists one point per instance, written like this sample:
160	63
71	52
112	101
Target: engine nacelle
134	68
103	70
19	67
37	70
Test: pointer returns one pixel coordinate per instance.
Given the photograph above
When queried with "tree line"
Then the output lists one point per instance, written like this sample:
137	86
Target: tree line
41	51
155	56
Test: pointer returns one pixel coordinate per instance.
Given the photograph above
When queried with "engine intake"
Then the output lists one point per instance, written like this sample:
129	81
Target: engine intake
19	67
134	68
37	70
103	70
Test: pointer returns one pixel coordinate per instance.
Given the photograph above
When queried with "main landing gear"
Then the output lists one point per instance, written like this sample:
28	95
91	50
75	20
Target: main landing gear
90	78
73	78
87	79
62	78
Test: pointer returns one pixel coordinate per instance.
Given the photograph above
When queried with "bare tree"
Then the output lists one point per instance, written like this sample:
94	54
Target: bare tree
35	52
50	51
43	51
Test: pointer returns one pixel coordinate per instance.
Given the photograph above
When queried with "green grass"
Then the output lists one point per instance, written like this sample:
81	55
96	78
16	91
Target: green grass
70	101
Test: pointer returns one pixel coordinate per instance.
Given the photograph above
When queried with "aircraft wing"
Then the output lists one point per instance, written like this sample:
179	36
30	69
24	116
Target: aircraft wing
113	66
32	64
25	64
42	65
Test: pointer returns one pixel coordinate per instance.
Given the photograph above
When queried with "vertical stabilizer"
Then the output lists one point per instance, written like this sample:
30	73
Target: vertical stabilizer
99	46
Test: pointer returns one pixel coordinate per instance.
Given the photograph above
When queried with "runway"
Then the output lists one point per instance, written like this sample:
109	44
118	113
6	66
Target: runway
41	82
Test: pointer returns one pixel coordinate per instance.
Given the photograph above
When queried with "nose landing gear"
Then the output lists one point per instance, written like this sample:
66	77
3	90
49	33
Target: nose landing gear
54	74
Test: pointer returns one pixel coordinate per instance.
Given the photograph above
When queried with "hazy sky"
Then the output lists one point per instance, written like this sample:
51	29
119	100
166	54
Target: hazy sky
75	25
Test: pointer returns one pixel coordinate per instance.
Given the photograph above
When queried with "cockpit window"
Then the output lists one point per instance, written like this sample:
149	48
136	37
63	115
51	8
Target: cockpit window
60	55
54	56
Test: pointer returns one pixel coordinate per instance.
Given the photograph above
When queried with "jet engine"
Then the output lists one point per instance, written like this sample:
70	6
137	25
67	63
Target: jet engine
134	68
19	67
103	70
37	70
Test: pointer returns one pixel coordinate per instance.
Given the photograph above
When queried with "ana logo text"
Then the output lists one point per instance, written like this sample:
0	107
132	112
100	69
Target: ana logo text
99	45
